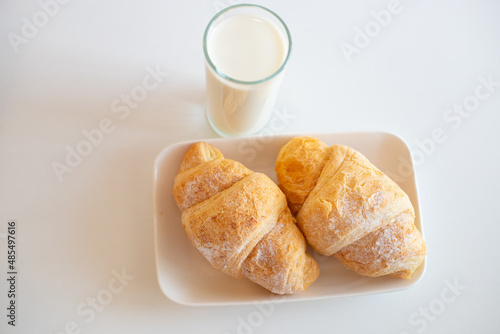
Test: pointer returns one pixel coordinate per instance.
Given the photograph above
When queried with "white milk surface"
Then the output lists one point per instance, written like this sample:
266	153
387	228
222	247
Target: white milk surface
246	48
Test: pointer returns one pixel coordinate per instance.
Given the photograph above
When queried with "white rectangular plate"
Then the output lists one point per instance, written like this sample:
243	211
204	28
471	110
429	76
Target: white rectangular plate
187	278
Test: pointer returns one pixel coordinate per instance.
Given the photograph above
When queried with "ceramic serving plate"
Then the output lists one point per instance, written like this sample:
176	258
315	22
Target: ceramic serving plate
187	278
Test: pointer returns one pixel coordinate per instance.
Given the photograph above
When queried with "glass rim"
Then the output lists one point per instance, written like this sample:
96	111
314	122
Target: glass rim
225	76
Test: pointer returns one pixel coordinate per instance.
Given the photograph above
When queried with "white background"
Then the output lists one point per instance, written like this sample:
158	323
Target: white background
75	232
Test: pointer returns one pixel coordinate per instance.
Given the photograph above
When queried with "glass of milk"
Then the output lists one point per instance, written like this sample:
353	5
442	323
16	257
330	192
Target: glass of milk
246	50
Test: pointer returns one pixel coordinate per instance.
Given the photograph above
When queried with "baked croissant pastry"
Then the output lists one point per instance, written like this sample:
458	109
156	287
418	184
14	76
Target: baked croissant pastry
240	222
347	207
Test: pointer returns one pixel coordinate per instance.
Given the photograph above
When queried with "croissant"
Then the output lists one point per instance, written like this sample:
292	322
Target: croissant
240	222
347	207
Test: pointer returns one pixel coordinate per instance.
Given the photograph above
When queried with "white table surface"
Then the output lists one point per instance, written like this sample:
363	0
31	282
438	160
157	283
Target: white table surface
80	228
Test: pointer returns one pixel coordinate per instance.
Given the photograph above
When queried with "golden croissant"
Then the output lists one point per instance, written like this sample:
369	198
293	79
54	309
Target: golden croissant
347	207
240	222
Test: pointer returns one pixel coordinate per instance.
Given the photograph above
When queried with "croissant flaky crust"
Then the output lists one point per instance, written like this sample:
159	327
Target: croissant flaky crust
347	207
240	222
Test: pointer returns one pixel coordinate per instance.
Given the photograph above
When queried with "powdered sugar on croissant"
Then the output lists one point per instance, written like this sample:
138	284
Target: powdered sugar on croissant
240	222
348	207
